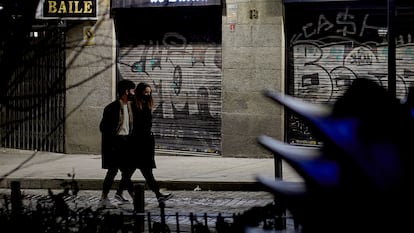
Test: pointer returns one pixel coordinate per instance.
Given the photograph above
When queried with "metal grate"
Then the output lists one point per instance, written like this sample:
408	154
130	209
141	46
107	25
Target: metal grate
33	113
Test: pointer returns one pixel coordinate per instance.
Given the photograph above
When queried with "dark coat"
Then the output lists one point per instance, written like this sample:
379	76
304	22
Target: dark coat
142	139
112	151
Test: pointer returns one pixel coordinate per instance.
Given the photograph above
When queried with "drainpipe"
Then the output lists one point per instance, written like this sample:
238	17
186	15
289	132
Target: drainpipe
391	49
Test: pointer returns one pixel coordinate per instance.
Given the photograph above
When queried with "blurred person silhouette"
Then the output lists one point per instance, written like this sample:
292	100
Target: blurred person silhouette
360	179
408	101
116	128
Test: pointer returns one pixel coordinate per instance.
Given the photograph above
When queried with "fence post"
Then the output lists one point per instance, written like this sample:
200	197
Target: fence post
162	212
280	220
16	198
139	204
192	222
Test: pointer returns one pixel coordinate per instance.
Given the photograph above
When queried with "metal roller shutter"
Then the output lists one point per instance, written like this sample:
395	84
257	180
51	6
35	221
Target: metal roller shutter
183	66
333	44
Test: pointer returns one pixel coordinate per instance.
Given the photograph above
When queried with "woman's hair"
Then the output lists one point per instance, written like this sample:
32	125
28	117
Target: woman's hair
139	97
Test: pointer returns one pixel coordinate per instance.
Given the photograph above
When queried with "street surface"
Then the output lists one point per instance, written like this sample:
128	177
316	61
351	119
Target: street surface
185	202
182	204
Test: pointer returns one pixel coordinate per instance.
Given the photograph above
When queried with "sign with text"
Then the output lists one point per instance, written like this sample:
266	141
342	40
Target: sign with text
162	3
67	9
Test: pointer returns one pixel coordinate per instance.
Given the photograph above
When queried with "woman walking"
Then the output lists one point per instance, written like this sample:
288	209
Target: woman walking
142	139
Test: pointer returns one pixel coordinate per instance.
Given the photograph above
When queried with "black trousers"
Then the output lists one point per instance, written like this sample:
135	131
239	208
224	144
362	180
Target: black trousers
121	150
151	182
126	182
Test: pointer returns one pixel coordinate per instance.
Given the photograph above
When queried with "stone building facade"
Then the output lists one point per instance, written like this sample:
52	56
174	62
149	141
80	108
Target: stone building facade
208	63
252	60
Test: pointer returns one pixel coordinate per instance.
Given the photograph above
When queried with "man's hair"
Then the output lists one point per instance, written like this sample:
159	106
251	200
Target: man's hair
123	85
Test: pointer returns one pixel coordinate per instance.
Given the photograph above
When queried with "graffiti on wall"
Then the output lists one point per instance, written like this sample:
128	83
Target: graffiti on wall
186	82
328	54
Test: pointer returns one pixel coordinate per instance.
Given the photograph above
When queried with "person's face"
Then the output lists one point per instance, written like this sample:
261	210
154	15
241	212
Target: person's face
147	91
130	93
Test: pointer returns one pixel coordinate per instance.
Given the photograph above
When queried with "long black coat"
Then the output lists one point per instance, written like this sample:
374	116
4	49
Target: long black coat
142	139
112	154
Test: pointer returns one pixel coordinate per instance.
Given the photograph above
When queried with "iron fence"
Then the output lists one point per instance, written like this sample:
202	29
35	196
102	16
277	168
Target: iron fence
33	108
51	213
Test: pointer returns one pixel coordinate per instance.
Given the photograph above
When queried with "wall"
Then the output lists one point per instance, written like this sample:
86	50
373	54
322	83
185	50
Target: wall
89	80
252	61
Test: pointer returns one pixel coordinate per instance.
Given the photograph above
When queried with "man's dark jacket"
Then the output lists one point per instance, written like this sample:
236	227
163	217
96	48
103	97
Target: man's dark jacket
109	127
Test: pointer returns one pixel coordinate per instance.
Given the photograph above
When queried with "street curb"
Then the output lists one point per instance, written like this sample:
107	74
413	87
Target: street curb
96	184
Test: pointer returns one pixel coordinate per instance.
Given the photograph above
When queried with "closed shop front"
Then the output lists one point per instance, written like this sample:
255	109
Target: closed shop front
176	48
331	43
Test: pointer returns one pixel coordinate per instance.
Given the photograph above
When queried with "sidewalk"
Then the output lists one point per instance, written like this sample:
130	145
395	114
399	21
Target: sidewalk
49	170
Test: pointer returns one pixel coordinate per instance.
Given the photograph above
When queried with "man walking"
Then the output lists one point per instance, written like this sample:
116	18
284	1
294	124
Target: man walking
116	127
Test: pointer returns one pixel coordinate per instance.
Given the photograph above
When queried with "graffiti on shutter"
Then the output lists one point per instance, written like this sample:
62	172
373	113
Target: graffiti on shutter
186	85
329	48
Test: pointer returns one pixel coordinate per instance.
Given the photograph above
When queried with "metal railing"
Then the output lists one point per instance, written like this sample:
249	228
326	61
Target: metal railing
52	214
